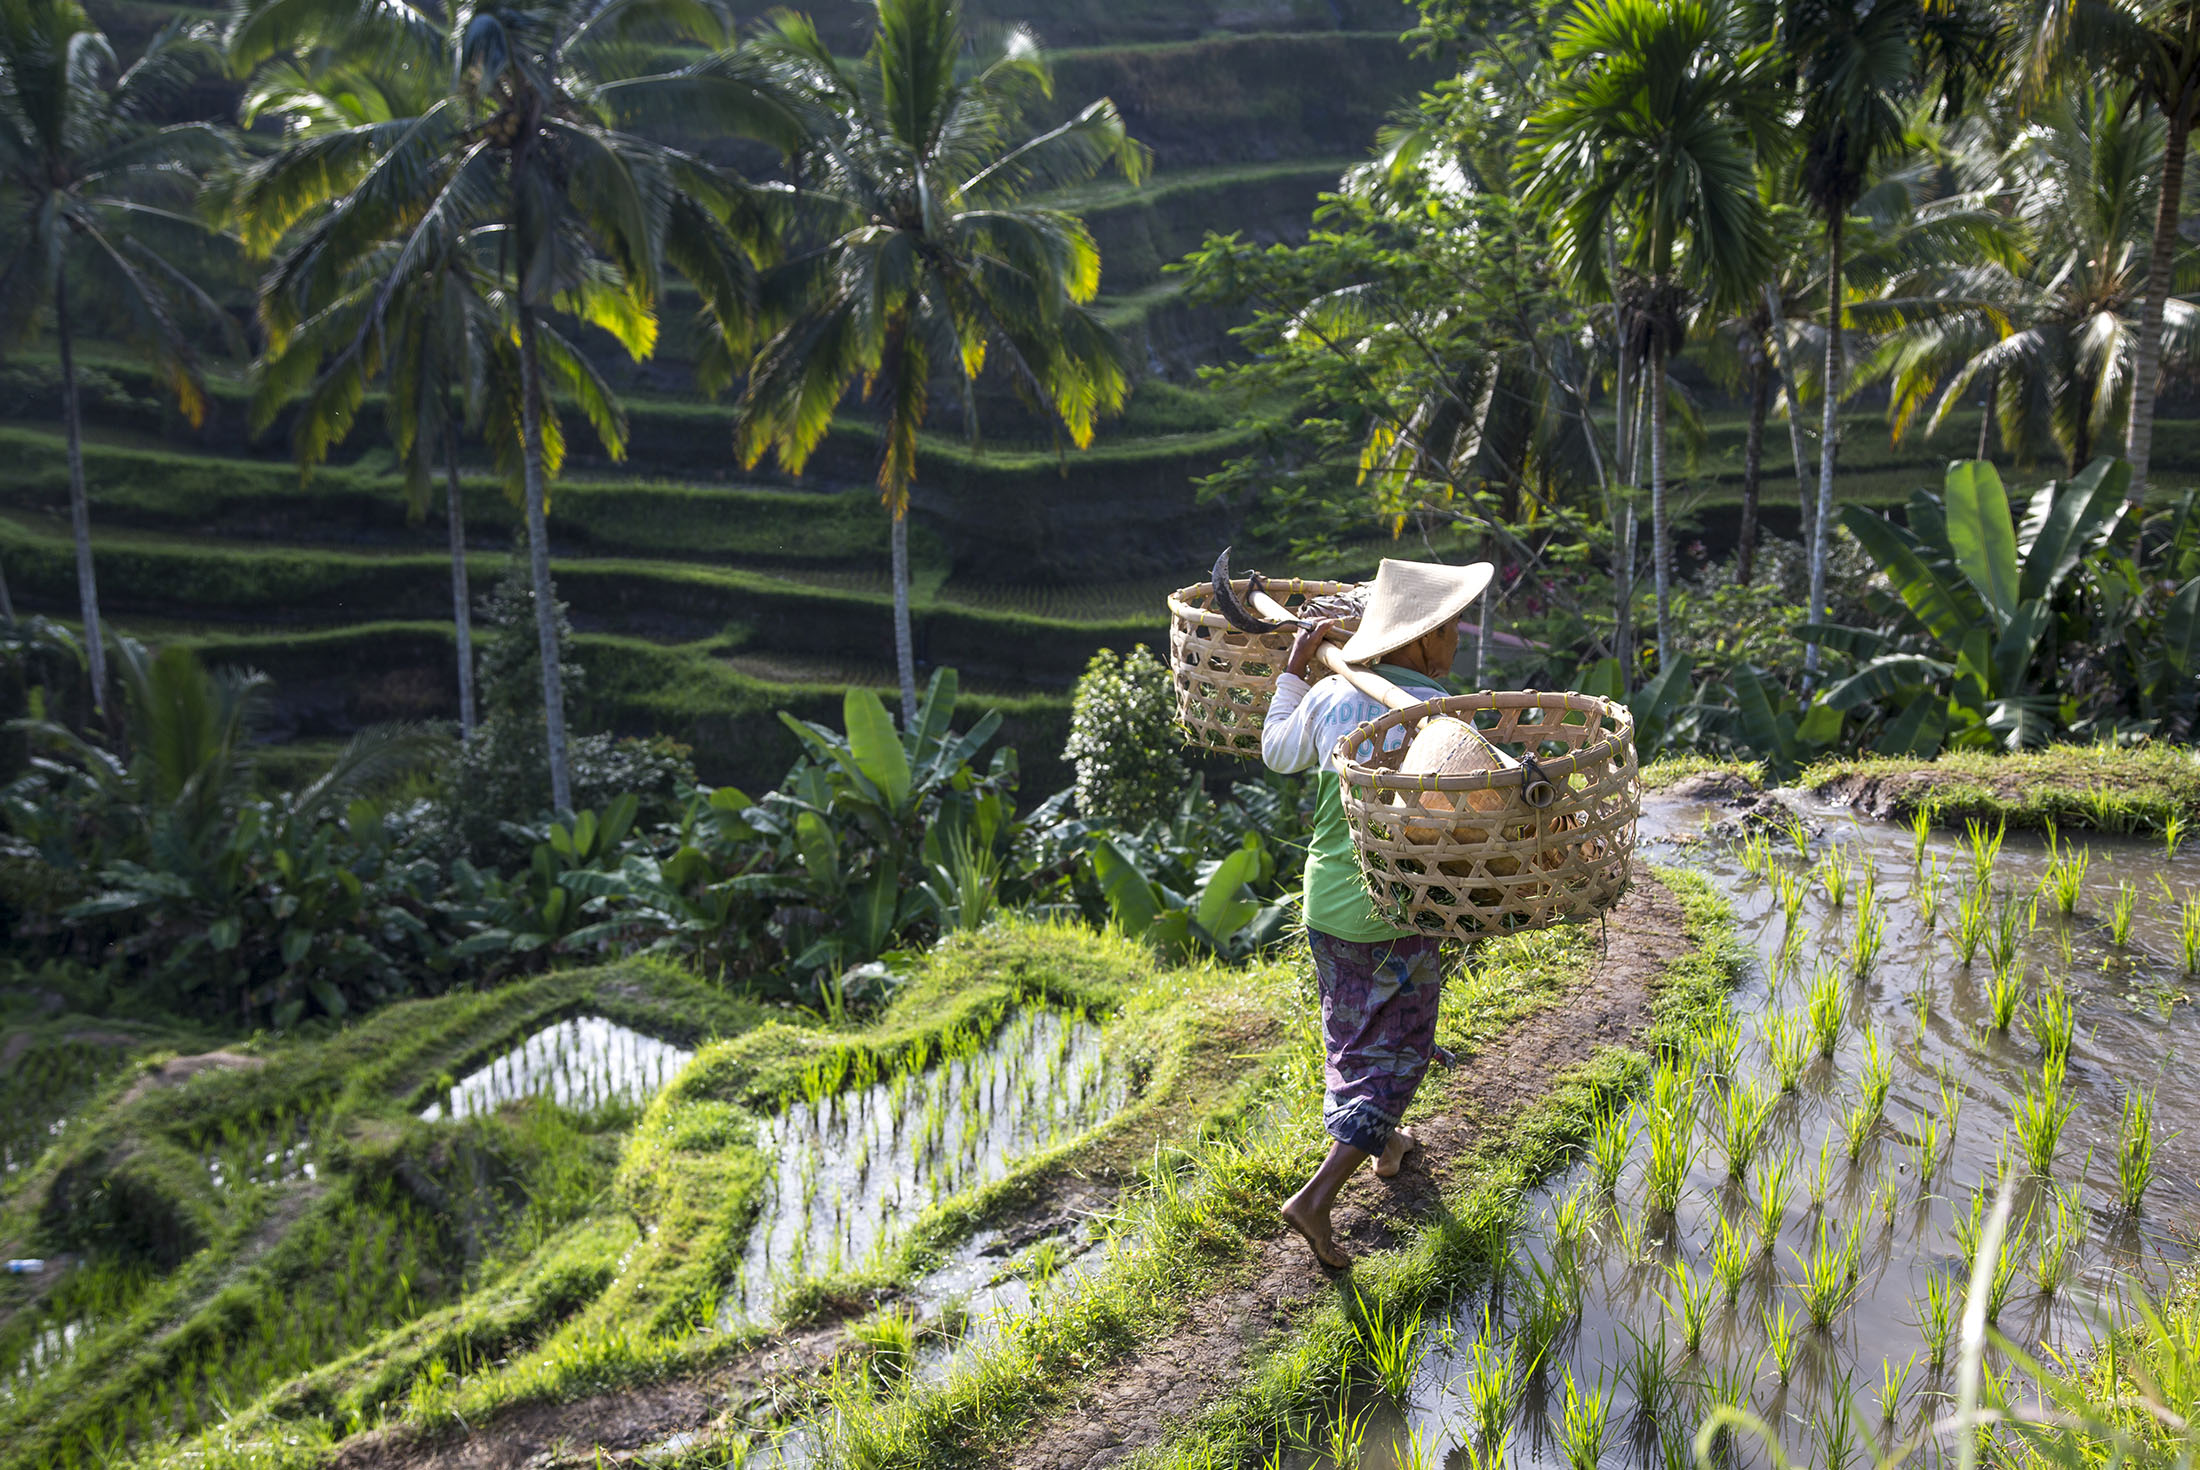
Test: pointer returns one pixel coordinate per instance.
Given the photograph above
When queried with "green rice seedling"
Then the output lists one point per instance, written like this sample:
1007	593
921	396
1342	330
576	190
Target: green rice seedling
1755	851
1344	1441
1787	1046
2004	993
1830	1274
1648	1375
1821	1177
1837	1433
1781	1340
1878	1074
2006	1266
1492	1381
1729	1261
2040	1118
1798	833
1690	1303
2065	877
1974	912
2051	1255
1856	1128
1775	1185
1718	1046
1927	1147
1790	890
1892	1381
1552	1301
1571	1218
2188	933
2173	834
1951	1099
2120	913
1827	1002
1390	1340
1836	871
1921	832
1672	1151
2054	1021
1609	1139
1969	1225
1926	894
1985	849
1582	1424
2135	1150
1936	1319
1743	1115
1886	1197
2011	924
1864	945
1728	1387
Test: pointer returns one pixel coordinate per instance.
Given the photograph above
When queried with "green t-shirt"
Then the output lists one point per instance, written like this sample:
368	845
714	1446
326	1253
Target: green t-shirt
1336	899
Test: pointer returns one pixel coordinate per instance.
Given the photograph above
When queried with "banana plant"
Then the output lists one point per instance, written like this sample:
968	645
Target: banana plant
1982	597
1221	917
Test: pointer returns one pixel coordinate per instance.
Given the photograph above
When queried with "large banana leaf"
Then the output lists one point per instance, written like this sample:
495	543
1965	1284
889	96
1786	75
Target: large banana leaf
1982	535
1220	912
876	748
1130	894
1947	612
874	906
2181	630
2065	521
2013	651
1918	730
1883	677
1654	703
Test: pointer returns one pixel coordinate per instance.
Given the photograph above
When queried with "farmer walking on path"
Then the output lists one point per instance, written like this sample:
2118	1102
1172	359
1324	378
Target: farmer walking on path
1379	983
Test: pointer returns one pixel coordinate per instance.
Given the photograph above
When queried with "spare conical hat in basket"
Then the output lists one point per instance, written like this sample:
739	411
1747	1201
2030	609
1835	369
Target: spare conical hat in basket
1464	852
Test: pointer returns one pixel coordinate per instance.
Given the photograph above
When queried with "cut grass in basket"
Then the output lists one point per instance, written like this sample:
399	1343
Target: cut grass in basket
2135	1150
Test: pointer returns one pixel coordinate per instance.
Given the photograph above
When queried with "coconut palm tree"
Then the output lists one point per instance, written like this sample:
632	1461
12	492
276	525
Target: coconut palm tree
537	140
1858	68
99	192
1651	132
930	260
2054	326
2156	47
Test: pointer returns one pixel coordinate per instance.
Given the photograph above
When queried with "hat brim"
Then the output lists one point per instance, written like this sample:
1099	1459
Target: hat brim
1378	635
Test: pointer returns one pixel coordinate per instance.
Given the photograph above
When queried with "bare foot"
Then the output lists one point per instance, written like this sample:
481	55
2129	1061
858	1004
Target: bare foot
1314	1228
1402	1142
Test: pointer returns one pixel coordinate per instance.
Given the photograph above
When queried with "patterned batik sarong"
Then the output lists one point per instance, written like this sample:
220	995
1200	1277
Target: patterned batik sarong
1378	1030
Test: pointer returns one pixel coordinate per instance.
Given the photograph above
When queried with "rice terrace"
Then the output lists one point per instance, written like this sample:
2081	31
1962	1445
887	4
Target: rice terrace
1374	735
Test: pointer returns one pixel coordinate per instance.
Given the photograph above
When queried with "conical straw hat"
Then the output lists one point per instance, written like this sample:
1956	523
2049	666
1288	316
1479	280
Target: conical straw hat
1410	600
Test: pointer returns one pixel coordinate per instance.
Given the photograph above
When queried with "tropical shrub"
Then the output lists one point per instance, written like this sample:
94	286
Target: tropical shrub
1124	741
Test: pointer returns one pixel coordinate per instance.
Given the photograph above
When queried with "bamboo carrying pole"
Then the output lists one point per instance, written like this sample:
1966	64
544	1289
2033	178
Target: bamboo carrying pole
1442	746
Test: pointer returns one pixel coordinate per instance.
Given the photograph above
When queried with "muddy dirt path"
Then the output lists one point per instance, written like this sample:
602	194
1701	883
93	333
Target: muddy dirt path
1133	1405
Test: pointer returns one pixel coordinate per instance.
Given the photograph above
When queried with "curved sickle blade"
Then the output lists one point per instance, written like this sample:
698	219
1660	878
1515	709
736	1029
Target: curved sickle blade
1226	602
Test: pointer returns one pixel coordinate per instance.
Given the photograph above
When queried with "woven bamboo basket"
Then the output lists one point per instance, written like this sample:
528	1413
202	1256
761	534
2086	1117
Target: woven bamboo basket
1466	856
1225	678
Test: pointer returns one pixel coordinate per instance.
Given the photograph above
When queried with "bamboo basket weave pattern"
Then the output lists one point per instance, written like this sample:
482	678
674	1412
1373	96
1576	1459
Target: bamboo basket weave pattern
1225	678
1436	861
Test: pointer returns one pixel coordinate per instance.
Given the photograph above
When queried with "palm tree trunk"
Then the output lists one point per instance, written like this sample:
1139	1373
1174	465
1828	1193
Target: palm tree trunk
462	619
80	510
1808	526
1822	533
2139	442
1623	535
905	654
1661	529
538	563
1753	463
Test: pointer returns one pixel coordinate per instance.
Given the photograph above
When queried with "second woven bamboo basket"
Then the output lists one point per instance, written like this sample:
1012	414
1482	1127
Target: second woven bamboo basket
1225	677
1467	856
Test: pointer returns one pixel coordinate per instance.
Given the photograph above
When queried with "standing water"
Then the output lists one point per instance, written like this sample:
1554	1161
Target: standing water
852	1170
1786	1220
585	1062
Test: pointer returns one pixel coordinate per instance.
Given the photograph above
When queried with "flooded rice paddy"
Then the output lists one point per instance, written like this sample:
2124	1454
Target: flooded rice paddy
582	1063
1786	1220
852	1170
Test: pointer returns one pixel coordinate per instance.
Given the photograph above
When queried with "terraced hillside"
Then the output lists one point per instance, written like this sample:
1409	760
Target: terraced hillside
707	597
